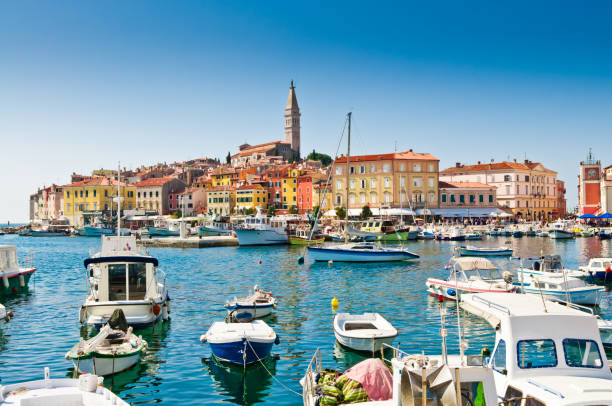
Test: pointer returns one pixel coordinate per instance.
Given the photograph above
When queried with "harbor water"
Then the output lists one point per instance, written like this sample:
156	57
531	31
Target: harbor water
178	369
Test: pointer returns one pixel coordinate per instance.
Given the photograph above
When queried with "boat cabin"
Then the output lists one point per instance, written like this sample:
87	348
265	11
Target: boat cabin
474	268
378	226
545	353
8	258
547	263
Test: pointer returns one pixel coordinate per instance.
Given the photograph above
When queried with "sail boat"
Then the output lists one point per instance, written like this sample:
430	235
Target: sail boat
357	252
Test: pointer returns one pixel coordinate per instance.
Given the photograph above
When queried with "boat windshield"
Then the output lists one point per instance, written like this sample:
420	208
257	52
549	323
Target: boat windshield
582	353
536	354
491	274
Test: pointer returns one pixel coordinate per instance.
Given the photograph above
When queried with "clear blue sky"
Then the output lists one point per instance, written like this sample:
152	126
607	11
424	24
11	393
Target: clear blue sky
84	84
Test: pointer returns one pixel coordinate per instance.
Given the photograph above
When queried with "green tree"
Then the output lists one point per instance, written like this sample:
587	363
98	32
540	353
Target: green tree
341	212
228	158
271	211
315	211
293	210
249	211
366	213
177	214
316	156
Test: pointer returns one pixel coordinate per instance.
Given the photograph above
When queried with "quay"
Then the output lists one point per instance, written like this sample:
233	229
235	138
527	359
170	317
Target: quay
189	242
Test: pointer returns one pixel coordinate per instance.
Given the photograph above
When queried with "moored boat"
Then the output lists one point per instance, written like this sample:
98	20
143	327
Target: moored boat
96	231
13	277
240	343
262	230
598	269
258	304
304	236
557	286
363	332
473	251
359	252
109	352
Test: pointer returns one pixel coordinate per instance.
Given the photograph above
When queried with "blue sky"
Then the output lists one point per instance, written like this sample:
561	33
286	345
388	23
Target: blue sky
86	84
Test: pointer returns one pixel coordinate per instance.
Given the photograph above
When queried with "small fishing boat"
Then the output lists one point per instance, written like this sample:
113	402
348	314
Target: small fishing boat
110	351
557	286
473	236
14	278
560	230
240	343
363	332
517	234
262	230
473	251
162	232
88	390
96	231
303	236
426	235
546	265
598	269
360	252
470	275
257	304
604	234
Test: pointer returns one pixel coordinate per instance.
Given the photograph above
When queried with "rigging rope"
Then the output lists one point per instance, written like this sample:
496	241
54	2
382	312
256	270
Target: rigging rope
270	373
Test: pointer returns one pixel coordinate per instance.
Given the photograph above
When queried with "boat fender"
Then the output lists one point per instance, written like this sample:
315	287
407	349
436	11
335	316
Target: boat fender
168	301
82	314
156	309
301	260
451	292
330	262
21	280
277	340
203	338
259	262
5	281
334	303
14	289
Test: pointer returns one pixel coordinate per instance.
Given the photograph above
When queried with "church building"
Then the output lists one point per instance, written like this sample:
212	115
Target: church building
288	149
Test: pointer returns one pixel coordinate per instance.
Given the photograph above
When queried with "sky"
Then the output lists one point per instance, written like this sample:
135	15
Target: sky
86	84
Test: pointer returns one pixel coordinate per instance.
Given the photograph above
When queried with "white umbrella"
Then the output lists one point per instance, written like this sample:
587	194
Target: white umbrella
493	214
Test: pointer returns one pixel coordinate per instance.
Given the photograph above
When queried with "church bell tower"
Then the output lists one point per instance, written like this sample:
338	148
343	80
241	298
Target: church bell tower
292	122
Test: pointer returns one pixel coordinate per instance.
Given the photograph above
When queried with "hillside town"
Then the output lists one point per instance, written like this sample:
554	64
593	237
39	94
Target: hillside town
277	175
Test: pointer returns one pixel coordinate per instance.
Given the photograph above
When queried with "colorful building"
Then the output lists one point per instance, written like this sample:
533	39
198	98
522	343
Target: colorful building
467	195
305	193
589	186
527	189
289	188
223	177
193	201
274	178
93	197
561	209
250	197
401	179
322	196
221	200
153	195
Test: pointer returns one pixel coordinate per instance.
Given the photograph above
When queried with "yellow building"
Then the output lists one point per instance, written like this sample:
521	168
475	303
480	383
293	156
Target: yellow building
322	196
251	197
94	197
223	177
221	200
289	188
402	179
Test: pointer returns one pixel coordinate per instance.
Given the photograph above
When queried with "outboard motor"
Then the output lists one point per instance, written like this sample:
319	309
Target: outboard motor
117	321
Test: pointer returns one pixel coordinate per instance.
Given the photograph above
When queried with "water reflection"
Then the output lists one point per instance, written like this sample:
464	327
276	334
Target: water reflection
243	386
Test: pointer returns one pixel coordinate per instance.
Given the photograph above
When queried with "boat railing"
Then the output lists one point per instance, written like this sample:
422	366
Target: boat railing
28	261
395	350
575	306
492	304
312	371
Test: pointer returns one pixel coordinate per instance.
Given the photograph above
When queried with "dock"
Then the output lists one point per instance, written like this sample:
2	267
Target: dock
189	242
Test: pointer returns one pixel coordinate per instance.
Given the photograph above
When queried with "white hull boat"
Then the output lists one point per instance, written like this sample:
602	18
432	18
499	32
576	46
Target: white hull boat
85	391
261	237
473	251
258	304
363	332
560	234
109	352
359	252
560	287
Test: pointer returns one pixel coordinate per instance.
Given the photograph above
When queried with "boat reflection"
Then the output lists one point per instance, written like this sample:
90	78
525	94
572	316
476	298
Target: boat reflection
348	357
242	386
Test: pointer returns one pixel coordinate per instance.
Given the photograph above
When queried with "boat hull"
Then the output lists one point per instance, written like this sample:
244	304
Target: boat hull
588	297
466	252
106	365
48	234
261	237
254	311
400	236
340	255
137	314
241	352
162	232
560	234
96	232
293	240
364	344
450	291
13	282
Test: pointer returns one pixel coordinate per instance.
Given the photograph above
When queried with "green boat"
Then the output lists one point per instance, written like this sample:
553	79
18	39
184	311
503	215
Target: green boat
13	279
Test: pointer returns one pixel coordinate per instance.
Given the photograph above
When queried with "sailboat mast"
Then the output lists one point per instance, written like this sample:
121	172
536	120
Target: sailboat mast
348	159
119	200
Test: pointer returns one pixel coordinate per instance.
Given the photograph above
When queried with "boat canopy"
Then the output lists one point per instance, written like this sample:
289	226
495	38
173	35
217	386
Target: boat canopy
127	258
472	263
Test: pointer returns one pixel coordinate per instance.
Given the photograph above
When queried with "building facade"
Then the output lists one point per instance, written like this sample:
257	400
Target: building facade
250	197
221	200
528	189
561	209
606	190
47	204
153	194
467	195
589	186
402	179
193	201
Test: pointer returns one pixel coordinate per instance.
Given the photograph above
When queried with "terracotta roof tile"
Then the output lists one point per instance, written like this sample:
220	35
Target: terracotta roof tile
407	155
154	182
465	185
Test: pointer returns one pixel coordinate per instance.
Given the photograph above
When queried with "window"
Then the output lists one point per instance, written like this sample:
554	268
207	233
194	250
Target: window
352	183
137	281
363	183
507	189
472	198
372	197
338	199
157	194
387	167
87	193
498	363
416	167
402	181
402	167
106	193
362	197
352	198
582	353
387	197
116	282
461	198
506	178
339	184
536	354
452	198
372	168
373	183
431	168
95	206
481	198
443	198
417	182
68	193
490	198
403	197
67	206
94	192
81	193
387	182
432	197
352	170
362	169
431	182
150	193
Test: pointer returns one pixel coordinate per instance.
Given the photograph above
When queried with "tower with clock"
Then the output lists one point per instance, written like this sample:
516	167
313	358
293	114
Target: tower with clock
589	193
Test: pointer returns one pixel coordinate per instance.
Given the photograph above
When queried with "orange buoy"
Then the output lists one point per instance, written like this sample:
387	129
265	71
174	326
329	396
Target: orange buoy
156	309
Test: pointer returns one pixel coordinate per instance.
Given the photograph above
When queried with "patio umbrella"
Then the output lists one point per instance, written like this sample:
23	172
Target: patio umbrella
588	216
505	215
605	216
493	214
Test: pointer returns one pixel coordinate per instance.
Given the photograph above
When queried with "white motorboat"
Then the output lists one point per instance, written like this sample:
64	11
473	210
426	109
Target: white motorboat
87	391
470	275
544	352
14	278
262	230
598	269
359	252
560	230
363	332
557	286
257	304
109	352
240	343
548	265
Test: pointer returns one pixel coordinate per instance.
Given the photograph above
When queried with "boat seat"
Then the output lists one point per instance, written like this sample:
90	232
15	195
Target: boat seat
359	326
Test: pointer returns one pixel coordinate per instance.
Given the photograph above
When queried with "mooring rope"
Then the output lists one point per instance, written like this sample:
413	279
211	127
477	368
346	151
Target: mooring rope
270	373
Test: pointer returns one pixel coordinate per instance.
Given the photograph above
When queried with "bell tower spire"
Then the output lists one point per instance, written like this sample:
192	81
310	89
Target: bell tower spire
292	121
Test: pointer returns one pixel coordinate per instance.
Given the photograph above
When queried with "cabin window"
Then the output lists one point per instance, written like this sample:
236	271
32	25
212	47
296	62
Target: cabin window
582	353
536	354
137	274
513	397
596	264
499	358
533	402
116	282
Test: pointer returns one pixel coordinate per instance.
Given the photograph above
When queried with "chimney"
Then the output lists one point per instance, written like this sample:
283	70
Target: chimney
478	162
514	160
410	150
457	164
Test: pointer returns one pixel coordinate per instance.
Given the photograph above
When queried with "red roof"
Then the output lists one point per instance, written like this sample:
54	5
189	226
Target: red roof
95	181
408	155
491	166
464	185
268	146
154	182
248	187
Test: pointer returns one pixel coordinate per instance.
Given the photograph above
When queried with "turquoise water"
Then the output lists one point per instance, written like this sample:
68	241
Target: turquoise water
179	369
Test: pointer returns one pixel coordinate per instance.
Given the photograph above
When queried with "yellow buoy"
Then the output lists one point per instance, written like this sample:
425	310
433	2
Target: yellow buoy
334	302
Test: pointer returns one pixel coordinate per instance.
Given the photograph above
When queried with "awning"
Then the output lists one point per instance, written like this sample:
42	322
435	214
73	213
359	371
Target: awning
375	212
465	212
588	216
